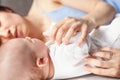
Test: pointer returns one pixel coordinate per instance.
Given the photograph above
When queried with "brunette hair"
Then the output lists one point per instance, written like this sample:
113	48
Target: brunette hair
6	9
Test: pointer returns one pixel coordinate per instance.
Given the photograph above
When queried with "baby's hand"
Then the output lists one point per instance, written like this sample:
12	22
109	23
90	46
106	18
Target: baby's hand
69	27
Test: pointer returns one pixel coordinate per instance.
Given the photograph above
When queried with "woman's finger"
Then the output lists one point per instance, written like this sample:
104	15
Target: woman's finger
98	63
109	49
104	55
62	31
101	71
84	34
56	28
71	32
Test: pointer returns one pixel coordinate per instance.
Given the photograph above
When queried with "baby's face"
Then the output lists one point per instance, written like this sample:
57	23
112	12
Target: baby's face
12	26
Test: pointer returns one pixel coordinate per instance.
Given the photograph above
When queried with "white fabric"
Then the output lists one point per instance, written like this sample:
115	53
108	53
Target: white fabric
68	59
107	35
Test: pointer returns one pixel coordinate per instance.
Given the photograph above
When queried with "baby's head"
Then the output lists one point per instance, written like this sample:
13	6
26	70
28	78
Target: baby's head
25	59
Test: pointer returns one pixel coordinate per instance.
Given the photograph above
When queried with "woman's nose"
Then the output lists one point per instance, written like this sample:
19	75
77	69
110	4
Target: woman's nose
5	33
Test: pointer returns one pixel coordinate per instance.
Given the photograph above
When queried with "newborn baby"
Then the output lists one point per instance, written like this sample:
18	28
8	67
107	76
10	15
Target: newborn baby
31	59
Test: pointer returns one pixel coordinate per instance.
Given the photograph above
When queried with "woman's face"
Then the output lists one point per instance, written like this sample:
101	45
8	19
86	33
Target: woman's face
12	26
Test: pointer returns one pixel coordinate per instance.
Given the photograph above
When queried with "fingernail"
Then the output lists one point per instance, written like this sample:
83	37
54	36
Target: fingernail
78	44
65	42
58	44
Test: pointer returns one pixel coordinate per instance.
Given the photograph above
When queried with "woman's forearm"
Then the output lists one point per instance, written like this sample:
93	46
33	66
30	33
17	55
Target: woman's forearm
83	5
103	13
98	11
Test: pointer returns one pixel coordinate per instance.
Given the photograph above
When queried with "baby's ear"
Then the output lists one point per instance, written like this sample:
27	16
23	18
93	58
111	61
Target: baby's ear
41	62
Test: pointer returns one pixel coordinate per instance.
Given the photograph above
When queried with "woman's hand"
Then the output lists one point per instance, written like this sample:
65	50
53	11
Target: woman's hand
109	66
68	27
